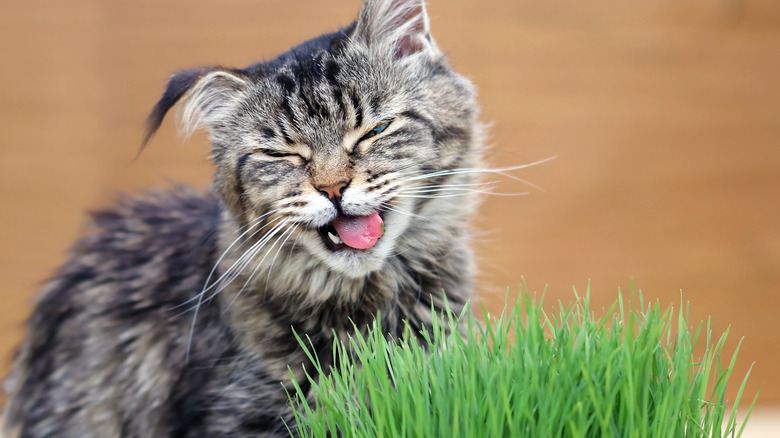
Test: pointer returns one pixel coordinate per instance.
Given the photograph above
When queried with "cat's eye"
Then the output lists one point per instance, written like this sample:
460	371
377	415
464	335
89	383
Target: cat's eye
378	129
276	153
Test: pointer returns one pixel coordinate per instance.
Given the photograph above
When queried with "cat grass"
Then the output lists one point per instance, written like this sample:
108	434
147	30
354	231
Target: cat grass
530	373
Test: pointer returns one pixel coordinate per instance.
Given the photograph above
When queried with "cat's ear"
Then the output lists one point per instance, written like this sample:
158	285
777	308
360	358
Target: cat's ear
207	94
400	27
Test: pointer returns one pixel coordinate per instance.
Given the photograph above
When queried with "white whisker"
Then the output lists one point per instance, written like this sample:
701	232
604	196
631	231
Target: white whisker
444	186
246	258
206	286
503	171
219	281
259	264
222	256
389	207
256	220
452	189
464	193
289	233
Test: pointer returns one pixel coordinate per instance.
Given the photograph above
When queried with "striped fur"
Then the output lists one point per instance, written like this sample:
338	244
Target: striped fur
173	317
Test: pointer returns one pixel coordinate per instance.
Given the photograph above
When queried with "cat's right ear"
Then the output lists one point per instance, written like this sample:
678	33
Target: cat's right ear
208	94
399	28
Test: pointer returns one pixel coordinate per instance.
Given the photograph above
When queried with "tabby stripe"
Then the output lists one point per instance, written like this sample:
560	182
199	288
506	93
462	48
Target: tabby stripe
268	133
287	83
378	186
332	71
451	133
375	104
240	164
338	97
307	75
313	108
398	156
387	191
288	88
310	110
414	115
358	110
400	147
294	204
273	173
287	109
373	176
285	133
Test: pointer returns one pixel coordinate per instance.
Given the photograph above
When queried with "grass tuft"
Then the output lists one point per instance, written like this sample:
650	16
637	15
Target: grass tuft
630	373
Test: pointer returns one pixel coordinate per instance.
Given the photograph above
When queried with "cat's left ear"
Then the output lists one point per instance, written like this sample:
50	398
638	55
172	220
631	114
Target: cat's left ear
398	27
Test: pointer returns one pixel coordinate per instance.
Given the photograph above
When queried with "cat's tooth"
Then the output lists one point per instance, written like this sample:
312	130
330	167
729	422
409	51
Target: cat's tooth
334	239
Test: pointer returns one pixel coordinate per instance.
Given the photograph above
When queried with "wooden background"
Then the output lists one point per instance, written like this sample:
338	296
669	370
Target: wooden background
664	116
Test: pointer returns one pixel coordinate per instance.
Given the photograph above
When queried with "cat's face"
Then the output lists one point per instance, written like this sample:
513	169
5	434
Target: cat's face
334	147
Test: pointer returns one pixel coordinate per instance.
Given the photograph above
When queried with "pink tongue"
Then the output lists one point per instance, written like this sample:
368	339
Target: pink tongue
360	232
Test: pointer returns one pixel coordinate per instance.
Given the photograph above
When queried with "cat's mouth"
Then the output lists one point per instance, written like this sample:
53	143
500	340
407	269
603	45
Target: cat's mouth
355	232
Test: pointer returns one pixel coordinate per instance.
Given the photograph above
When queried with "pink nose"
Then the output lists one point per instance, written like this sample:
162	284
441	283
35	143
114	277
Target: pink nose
334	191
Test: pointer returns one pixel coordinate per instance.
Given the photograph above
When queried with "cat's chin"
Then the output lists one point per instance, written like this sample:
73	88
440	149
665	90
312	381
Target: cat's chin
351	262
355	263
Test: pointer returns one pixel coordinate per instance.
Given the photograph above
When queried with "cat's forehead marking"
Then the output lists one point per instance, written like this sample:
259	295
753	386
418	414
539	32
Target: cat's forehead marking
311	102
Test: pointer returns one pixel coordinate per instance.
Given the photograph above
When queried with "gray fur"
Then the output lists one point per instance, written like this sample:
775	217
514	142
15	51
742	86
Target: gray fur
174	316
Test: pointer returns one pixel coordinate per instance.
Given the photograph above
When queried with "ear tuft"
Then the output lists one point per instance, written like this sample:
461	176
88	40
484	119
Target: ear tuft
207	92
399	27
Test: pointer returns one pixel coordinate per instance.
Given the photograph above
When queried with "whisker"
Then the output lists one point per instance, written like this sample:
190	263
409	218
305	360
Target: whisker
437	186
292	248
448	190
260	263
438	157
233	271
219	281
247	257
387	206
219	260
454	188
235	216
455	195
289	233
503	171
255	220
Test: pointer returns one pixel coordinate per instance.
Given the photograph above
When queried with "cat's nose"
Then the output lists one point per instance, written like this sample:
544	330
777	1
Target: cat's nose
334	191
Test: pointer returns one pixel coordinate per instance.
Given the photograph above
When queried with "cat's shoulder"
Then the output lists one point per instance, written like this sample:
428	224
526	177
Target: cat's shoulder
179	220
159	245
178	213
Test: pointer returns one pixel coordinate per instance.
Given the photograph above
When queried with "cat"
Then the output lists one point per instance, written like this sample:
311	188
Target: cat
342	191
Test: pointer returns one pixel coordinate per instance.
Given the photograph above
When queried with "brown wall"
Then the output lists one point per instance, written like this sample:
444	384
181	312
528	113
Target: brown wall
664	116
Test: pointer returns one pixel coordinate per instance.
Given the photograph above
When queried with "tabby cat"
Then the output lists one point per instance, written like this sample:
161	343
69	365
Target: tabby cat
336	197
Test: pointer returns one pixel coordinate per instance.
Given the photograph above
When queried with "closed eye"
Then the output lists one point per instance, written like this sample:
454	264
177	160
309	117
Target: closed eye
378	129
276	153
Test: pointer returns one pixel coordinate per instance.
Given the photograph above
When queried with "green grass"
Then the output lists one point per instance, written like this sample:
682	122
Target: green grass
527	373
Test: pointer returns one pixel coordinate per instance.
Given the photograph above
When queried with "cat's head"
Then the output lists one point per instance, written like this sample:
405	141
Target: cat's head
343	145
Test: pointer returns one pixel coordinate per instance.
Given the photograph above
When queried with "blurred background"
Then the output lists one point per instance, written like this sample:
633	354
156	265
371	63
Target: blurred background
664	116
